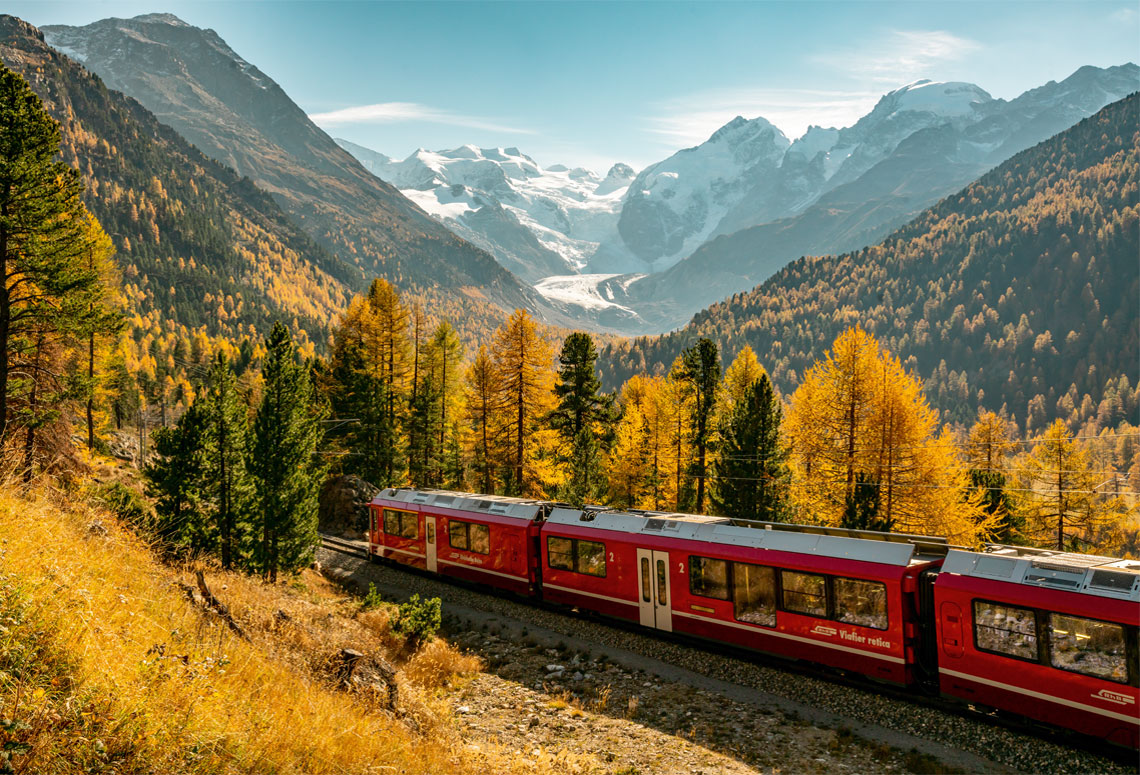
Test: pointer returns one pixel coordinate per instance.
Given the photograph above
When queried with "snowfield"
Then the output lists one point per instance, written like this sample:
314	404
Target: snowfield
581	290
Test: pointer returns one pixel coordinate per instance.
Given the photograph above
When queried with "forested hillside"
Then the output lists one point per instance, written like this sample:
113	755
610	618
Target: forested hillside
203	253
198	246
1021	291
192	81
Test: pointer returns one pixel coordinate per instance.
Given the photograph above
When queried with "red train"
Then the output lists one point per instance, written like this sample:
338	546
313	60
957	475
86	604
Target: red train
1045	635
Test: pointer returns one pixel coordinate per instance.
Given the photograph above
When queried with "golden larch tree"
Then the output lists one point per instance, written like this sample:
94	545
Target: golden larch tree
1062	507
484	419
860	418
989	442
524	368
628	468
739	376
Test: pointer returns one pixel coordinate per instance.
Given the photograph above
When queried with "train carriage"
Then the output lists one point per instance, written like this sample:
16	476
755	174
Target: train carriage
486	539
1047	635
801	592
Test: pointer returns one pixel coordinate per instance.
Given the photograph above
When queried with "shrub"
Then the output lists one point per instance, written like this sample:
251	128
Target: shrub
372	600
125	503
419	620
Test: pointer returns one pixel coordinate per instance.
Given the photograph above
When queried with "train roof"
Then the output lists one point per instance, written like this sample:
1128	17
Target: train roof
882	548
499	505
1084	573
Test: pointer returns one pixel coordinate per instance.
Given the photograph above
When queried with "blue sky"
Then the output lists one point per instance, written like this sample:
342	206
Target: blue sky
591	83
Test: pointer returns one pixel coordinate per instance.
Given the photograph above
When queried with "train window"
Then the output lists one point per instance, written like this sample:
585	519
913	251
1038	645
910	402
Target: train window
860	602
469	536
804	593
590	558
662	584
1005	629
570	554
646	582
402	524
708	577
560	553
1087	646
479	538
754	594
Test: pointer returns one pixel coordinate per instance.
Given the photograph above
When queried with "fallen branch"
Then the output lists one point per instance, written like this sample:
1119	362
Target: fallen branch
204	597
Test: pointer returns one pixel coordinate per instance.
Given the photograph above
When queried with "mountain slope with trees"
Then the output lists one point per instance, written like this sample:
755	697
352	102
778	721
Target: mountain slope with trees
1021	291
193	81
197	245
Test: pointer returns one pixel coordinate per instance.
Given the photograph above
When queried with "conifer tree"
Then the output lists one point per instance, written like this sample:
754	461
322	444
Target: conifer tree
750	474
858	411
744	370
47	288
861	510
447	352
176	480
629	473
226	444
586	479
357	395
284	464
988	444
422	422
101	319
523	362
1062	507
388	352
582	419
580	402
483	416
700	368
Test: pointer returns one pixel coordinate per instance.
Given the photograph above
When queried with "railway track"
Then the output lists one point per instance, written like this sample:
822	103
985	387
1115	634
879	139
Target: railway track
351	548
805	669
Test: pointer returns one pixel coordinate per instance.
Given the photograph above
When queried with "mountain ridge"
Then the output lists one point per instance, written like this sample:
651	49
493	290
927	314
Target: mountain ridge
1019	292
193	81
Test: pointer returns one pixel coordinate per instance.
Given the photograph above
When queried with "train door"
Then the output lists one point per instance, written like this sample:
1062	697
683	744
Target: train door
952	643
429	527
654	593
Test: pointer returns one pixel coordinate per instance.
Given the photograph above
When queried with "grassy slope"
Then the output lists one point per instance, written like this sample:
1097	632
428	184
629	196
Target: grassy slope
106	666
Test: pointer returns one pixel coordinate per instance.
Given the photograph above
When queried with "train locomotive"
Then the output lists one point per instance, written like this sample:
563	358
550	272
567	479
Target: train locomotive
1047	636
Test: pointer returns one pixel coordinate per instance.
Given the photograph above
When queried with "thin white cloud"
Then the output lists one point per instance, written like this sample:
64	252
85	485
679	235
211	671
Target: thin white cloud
900	56
395	112
1124	16
689	120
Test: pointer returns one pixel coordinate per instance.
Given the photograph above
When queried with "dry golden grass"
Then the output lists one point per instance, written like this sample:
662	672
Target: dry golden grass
437	665
106	666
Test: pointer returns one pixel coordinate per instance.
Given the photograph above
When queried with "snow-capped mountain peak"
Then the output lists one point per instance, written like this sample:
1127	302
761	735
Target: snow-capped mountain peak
942	98
537	221
161	18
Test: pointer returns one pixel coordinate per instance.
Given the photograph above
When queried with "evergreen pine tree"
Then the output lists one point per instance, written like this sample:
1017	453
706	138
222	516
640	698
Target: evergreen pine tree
749	472
586	483
285	468
424	447
356	395
700	368
861	509
47	286
580	404
228	483
176	480
581	419
996	502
